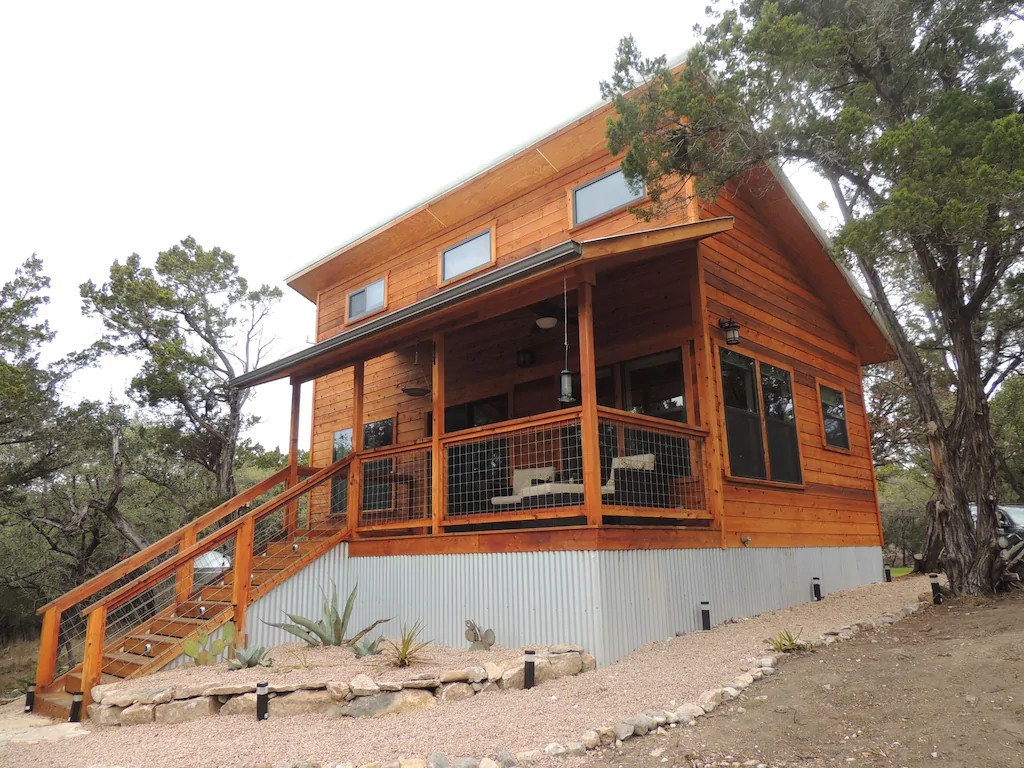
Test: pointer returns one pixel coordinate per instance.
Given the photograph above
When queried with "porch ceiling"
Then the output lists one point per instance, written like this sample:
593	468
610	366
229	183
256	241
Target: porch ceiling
518	283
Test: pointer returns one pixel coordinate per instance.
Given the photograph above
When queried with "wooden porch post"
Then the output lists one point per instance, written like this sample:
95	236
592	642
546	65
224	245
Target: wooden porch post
49	640
92	657
438	462
355	471
588	400
707	392
293	452
241	578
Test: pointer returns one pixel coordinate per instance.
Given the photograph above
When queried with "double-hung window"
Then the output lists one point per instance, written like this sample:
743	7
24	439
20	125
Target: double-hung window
602	195
367	300
760	419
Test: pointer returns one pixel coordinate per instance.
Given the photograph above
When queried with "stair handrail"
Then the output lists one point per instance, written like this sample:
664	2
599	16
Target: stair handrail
154	575
106	578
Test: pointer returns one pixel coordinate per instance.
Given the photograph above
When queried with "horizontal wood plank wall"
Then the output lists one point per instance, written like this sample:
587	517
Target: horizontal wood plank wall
785	321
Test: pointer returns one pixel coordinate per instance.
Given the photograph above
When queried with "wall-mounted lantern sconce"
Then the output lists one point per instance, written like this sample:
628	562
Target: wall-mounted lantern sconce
524	358
732	330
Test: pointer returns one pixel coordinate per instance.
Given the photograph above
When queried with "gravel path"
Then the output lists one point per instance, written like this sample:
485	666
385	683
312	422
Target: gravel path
661	674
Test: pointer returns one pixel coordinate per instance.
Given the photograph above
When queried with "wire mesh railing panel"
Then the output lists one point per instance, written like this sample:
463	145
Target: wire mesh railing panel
395	487
530	467
649	467
147	605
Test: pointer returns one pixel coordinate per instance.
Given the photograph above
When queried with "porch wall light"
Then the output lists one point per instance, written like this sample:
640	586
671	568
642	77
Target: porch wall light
732	330
546	323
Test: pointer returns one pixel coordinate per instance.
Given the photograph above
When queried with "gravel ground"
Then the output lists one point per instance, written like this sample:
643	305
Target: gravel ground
659	675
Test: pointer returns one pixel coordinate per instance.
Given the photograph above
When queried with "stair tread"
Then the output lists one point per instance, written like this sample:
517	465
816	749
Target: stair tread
127	658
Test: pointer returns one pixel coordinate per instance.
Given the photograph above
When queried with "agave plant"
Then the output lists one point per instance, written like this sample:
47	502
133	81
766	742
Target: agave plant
367	647
249	657
332	628
205	652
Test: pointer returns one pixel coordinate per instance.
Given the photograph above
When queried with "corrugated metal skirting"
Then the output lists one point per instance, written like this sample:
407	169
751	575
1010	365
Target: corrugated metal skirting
609	602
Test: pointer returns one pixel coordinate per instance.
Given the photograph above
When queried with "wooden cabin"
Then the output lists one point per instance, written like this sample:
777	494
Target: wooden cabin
532	409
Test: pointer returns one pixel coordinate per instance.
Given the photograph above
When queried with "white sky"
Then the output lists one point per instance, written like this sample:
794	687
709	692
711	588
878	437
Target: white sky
276	132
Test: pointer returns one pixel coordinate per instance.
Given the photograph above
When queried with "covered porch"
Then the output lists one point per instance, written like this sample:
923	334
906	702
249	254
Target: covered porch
567	391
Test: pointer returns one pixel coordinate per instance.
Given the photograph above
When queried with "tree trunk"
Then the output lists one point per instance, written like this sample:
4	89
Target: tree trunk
931	548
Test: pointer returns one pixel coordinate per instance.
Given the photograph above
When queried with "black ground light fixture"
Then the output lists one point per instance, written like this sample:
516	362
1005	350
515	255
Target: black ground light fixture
816	588
262	701
705	615
76	708
30	698
529	669
936	592
887	573
732	331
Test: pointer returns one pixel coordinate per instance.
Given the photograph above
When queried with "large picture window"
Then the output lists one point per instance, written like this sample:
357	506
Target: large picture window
760	419
654	385
833	417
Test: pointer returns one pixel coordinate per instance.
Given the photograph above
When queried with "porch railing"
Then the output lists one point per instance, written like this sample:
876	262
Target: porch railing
395	488
62	640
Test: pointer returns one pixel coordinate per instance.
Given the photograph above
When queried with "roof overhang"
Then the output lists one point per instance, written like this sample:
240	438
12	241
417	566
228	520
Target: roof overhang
455	306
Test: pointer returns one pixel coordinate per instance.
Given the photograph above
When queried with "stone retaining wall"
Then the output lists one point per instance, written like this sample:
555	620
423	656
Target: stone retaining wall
138	703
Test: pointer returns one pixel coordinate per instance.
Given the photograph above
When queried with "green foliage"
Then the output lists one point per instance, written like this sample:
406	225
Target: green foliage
332	627
195	324
367	647
911	110
409	648
205	652
1008	426
253	656
786	642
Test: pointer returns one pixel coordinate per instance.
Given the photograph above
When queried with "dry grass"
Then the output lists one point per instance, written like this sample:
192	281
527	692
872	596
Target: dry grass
17	664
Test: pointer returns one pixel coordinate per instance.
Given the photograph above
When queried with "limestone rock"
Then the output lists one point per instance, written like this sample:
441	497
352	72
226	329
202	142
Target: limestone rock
455	676
564	664
743	680
399	702
389	687
437	759
575	748
606	734
670	717
105	715
228	690
729	693
710	699
240	705
554	749
588	662
565	648
659	718
374	764
756	673
339	691
455	692
428	682
488	763
689	712
642	724
412	762
363	685
138	714
303	703
767	661
623	731
467	762
506	759
188	709
493	670
529	756
514	676
476	674
590	740
128	696
768	671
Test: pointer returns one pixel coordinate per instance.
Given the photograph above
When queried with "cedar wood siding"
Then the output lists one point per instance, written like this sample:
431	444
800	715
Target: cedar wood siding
784	321
747	276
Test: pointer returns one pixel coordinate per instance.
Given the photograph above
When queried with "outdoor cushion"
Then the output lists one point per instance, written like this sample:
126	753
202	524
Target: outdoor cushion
642	461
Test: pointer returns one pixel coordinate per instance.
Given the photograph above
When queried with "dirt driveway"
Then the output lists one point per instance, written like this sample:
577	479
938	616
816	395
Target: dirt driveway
942	688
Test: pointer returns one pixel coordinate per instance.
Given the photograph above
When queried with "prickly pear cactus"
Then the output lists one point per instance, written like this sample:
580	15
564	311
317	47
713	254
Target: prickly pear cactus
478	641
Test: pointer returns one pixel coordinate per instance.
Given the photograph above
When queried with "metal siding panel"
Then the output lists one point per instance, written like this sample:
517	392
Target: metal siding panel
611	602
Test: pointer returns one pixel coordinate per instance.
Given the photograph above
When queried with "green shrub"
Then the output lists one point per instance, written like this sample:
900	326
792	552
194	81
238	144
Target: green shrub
203	656
786	642
331	628
409	647
249	657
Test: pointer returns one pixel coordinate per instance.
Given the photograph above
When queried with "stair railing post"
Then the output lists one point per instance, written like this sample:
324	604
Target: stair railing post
49	641
241	577
92	662
184	576
355	491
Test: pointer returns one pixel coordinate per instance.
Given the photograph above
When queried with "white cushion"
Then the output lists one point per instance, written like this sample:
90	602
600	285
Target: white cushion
639	461
522	479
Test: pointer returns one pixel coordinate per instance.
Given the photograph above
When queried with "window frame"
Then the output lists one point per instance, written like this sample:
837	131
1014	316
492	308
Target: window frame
574	221
818	384
766	480
443	281
624	370
349	318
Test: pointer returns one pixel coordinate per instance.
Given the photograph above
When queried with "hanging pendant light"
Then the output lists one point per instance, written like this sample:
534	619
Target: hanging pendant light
565	380
418	386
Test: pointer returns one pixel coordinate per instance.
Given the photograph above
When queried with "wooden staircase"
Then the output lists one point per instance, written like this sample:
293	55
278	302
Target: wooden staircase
159	639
